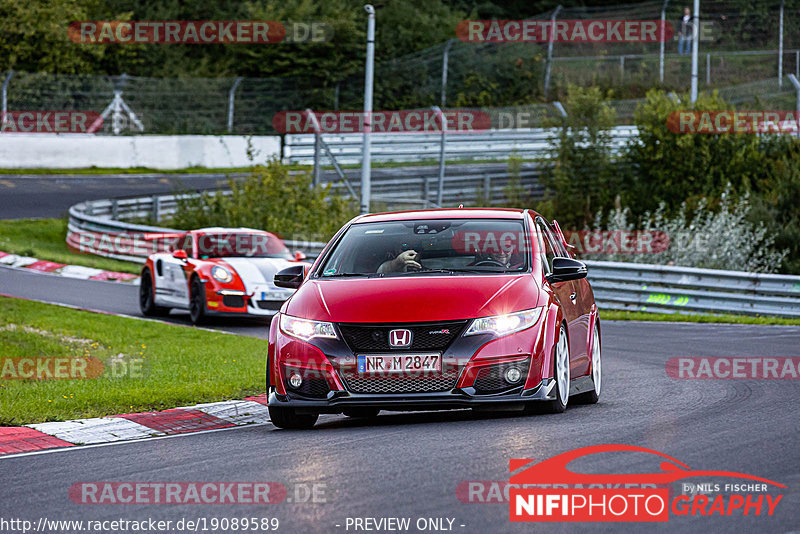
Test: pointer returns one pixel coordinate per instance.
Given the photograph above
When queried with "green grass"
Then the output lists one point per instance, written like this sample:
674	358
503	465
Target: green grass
44	239
166	365
620	315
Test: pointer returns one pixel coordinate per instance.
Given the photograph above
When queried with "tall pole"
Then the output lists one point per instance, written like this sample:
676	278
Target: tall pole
445	57
695	48
661	50
780	47
368	75
550	41
231	99
5	98
440	188
796	83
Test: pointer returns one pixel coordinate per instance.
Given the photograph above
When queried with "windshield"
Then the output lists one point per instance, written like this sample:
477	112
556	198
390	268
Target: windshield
251	245
419	247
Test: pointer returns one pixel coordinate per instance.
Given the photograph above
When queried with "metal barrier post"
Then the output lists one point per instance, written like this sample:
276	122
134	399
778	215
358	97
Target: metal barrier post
442	143
5	98
154	214
368	75
231	98
317	169
487	188
550	41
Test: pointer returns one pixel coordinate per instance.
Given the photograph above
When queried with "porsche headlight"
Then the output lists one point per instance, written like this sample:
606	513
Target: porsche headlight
221	274
306	329
504	324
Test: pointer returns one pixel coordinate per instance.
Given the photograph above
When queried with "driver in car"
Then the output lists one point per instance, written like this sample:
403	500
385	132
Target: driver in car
405	261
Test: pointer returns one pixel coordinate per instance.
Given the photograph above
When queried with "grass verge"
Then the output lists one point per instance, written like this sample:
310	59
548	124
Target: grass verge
44	239
146	365
621	315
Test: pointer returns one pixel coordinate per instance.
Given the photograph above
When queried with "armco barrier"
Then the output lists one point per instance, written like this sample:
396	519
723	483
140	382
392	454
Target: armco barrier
492	144
626	286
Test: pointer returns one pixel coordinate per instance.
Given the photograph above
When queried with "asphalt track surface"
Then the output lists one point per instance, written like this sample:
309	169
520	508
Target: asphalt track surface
410	464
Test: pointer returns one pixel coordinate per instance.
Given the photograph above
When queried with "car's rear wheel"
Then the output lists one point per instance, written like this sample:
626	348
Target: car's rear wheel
561	376
591	397
147	303
288	418
361	412
197	302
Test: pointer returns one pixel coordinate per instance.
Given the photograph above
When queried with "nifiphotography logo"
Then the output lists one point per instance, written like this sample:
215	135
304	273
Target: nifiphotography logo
575	496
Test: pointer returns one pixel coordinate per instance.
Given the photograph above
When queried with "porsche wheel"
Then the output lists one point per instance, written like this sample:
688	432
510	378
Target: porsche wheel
591	397
147	303
288	418
197	302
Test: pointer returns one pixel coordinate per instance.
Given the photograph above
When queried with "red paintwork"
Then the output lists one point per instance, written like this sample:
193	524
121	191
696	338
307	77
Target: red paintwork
443	298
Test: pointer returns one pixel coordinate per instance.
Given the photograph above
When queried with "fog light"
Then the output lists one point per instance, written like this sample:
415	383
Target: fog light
513	375
295	380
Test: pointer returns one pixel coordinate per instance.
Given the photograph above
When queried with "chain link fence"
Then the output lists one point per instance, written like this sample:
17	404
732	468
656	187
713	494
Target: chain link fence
739	55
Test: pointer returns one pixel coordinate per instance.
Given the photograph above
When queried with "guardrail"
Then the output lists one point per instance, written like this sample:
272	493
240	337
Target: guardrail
94	227
663	288
492	144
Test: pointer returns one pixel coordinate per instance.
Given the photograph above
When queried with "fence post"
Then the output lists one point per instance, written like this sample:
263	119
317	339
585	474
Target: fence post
317	169
442	143
661	49
622	67
445	58
154	215
695	48
487	188
796	83
780	46
797	63
708	69
231	98
426	190
550	41
114	209
5	98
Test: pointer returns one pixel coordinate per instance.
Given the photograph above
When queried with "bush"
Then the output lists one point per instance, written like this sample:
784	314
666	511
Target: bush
711	239
578	174
271	199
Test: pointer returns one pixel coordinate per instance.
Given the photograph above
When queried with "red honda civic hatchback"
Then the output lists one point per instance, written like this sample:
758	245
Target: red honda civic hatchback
435	309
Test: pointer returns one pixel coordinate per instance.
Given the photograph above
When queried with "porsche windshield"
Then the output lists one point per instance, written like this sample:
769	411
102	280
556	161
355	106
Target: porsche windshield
251	245
409	248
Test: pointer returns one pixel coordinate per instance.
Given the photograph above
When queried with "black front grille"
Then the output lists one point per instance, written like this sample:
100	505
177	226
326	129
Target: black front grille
233	301
316	388
269	304
425	336
492	379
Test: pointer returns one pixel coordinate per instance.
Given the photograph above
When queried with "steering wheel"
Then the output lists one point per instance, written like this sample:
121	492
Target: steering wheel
490	263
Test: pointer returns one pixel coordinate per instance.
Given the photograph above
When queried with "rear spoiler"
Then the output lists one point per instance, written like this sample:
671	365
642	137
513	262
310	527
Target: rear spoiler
560	234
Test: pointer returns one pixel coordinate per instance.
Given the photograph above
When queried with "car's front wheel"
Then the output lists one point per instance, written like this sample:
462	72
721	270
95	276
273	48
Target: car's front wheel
197	301
285	417
561	376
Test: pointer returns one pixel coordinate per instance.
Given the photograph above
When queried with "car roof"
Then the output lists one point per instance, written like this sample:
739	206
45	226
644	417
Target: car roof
450	213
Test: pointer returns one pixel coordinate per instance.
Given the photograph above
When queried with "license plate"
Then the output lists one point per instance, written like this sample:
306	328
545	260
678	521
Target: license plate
275	295
399	363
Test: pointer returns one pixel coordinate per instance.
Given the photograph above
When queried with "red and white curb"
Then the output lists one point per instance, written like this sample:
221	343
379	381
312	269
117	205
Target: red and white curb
62	269
132	426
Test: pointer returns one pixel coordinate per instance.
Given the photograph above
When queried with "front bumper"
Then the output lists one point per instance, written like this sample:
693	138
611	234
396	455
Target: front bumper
458	398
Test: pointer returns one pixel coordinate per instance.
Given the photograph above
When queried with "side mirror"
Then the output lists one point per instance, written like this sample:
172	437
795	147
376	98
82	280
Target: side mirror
299	255
180	254
566	269
291	277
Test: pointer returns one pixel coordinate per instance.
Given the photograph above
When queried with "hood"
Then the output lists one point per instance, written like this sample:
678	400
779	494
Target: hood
413	299
257	272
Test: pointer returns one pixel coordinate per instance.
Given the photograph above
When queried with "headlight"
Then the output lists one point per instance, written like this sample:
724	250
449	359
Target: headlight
306	329
504	324
221	274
